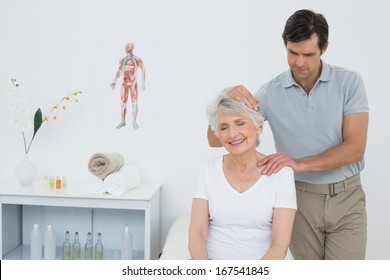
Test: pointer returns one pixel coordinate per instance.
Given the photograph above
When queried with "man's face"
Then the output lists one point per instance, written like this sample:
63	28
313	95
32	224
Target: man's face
304	59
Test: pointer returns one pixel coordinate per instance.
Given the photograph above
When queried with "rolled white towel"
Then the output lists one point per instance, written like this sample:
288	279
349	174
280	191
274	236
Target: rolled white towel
103	164
126	178
94	184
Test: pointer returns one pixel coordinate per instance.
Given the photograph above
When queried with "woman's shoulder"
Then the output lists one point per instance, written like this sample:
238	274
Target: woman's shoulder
283	180
285	171
213	162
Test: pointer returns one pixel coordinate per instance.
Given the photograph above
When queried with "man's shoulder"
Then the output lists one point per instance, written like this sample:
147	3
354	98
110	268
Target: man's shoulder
339	71
273	85
277	80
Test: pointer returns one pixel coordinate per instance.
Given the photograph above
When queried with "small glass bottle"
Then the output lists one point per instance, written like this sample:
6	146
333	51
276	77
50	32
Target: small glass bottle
88	250
51	182
99	247
58	182
64	182
46	182
76	247
66	247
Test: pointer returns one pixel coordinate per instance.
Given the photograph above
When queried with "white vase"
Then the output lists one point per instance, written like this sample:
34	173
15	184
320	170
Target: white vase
26	171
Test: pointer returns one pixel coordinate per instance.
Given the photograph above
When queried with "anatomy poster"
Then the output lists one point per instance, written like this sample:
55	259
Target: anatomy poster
127	85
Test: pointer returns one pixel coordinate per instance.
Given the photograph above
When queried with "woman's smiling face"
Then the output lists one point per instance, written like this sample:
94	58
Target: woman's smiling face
237	133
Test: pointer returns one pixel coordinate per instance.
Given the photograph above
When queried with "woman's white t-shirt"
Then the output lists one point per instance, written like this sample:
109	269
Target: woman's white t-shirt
241	223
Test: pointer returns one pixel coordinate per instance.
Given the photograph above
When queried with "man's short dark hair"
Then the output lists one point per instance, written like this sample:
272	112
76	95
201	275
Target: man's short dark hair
303	24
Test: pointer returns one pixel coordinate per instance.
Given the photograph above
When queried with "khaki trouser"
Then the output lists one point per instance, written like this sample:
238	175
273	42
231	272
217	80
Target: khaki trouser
331	221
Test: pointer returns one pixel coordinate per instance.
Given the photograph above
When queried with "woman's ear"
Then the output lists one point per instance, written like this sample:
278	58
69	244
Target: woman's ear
260	130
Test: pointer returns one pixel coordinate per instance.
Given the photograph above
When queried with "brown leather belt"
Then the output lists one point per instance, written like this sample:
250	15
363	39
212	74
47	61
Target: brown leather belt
329	189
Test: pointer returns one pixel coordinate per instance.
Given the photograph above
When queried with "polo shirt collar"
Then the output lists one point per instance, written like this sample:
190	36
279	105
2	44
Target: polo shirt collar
288	80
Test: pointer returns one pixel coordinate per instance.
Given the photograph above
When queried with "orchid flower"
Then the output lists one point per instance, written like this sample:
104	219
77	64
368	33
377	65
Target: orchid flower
21	118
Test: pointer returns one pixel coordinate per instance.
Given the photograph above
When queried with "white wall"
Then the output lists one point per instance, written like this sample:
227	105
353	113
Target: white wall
202	47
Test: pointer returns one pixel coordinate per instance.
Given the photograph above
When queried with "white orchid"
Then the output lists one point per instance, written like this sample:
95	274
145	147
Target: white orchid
22	118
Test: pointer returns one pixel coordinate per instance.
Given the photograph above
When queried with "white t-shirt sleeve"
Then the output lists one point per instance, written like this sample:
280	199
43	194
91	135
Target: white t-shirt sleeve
200	191
285	191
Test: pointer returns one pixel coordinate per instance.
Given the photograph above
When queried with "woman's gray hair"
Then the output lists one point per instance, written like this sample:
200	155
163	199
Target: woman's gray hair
228	105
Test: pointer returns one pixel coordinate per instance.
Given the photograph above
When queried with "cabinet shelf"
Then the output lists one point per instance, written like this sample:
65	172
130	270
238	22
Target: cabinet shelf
22	252
75	210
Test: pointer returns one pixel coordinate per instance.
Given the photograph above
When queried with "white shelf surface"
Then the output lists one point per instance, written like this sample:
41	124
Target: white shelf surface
75	189
23	253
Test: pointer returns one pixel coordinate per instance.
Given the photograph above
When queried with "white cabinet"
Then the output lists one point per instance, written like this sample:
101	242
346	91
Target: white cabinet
74	210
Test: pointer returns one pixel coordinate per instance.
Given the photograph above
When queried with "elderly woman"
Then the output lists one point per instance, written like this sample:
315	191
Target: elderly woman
236	212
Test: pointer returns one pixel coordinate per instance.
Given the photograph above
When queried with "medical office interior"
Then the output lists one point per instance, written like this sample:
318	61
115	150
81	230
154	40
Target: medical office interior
190	50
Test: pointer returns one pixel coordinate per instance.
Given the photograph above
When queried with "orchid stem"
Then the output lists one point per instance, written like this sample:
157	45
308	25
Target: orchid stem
28	149
24	141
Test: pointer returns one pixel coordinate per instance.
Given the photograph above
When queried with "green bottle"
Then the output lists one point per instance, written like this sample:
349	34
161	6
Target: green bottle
99	247
88	250
66	247
76	247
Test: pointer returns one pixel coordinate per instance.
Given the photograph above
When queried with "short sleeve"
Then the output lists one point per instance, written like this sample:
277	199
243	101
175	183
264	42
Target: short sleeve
200	191
356	98
285	196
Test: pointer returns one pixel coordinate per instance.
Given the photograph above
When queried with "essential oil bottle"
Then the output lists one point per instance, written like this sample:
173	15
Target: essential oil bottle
99	247
88	249
66	248
76	247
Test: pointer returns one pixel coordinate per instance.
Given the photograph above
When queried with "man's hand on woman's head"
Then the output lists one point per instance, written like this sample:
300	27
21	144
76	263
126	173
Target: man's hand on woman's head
242	94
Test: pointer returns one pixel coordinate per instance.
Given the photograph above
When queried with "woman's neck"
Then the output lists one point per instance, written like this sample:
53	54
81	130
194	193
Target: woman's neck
242	172
243	163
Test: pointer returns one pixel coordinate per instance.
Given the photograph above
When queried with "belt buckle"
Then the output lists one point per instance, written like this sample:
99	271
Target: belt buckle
332	190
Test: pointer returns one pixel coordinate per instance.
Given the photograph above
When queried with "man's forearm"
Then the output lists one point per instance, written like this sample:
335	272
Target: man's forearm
351	150
336	157
213	139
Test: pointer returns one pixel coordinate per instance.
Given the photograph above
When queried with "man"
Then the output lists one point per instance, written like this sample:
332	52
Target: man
319	119
128	66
